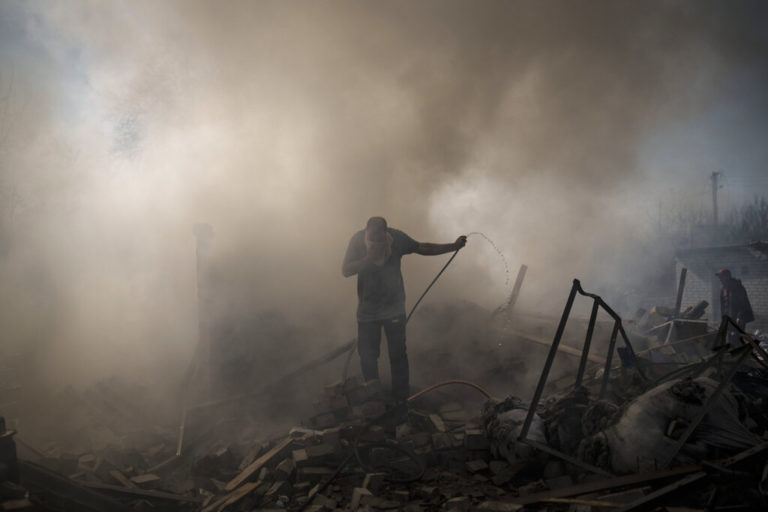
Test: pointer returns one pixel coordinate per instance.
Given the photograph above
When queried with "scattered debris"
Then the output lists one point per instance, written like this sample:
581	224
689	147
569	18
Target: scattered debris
623	431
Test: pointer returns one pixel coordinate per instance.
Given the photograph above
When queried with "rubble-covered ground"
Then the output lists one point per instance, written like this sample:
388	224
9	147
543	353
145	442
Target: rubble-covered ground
323	440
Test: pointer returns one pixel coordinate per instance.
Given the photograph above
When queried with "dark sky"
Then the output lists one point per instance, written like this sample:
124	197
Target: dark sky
560	129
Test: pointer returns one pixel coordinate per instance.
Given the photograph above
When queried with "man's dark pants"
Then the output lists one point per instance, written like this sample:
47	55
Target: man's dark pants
368	343
734	337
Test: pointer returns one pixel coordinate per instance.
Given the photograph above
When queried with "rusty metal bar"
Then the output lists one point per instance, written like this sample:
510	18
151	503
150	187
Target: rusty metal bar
549	361
632	353
572	460
745	351
618	328
680	290
760	355
609	359
692	370
714	361
587	343
617	318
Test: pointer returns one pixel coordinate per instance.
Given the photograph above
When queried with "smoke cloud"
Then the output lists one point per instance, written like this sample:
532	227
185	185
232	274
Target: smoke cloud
555	128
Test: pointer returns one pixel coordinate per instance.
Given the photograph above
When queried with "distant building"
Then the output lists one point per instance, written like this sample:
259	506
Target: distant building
747	262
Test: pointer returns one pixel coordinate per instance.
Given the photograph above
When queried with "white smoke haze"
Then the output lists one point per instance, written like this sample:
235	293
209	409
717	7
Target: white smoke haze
554	128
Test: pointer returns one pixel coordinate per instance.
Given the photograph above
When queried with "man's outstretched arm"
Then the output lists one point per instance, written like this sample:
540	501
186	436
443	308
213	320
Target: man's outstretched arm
429	249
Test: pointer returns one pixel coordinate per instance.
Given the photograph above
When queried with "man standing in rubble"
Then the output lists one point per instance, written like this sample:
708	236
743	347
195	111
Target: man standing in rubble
734	301
374	254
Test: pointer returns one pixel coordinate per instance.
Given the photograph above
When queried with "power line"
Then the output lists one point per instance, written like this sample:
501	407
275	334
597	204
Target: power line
715	175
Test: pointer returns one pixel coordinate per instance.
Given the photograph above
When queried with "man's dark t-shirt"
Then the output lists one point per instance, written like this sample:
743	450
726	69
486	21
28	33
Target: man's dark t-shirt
380	290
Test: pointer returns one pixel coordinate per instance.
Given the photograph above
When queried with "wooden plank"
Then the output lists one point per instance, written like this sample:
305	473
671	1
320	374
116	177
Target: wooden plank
608	483
29	447
576	462
233	497
69	494
140	492
664	490
562	348
146	479
692	478
675	343
162	464
257	464
117	475
589	503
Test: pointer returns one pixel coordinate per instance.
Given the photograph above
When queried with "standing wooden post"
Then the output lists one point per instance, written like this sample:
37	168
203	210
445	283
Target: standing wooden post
680	290
197	381
204	235
516	289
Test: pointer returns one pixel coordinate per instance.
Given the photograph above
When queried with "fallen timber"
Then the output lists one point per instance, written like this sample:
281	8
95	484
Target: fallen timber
315	467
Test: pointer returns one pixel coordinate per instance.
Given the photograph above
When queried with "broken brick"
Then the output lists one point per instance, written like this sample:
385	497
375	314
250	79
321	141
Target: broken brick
373	409
374	481
285	469
331	436
498	506
145	481
473	466
351	383
323	420
437	422
442	441
314	473
278	488
459	504
319	450
475	439
300	456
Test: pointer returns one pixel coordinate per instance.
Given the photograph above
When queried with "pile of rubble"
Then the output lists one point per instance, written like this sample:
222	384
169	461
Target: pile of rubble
357	449
360	451
627	433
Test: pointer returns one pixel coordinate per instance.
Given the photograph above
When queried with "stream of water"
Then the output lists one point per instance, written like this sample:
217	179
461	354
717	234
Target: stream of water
501	255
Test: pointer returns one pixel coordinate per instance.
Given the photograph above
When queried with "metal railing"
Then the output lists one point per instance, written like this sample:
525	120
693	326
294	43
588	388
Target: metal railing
628	357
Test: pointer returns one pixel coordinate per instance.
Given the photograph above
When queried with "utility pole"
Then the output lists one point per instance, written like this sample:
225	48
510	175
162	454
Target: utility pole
198	382
206	366
715	175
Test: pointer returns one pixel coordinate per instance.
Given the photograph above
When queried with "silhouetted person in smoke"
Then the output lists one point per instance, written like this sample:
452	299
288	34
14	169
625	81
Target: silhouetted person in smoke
374	255
734	302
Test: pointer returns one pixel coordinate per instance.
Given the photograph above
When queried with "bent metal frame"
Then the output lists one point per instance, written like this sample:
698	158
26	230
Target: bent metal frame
630	360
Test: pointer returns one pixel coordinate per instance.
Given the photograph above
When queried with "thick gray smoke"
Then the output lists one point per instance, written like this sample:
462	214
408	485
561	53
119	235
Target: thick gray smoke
555	128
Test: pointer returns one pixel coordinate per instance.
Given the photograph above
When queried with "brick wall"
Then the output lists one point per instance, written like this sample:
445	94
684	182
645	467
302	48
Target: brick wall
746	264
